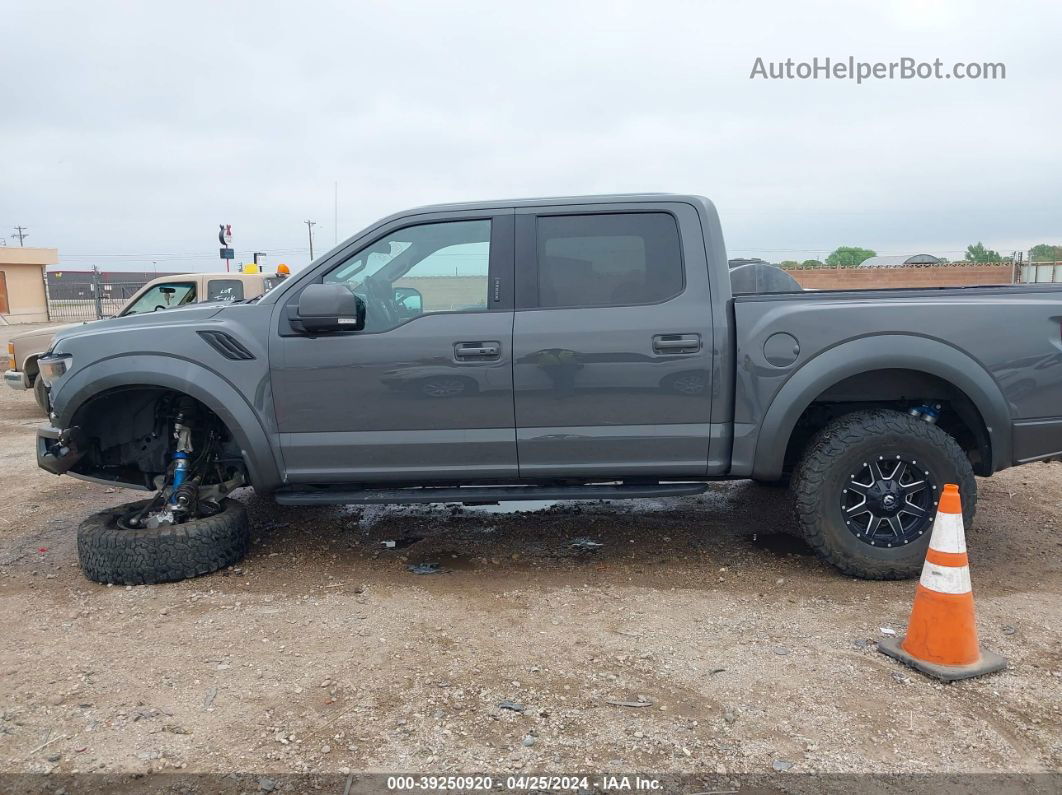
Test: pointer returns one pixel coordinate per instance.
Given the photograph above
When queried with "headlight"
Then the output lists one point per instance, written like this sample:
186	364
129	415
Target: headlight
54	366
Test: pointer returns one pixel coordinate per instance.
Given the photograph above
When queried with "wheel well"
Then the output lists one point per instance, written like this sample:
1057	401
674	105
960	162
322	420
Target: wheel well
31	368
901	390
129	436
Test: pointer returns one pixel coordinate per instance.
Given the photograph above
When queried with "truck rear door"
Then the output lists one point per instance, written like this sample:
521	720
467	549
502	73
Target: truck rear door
612	341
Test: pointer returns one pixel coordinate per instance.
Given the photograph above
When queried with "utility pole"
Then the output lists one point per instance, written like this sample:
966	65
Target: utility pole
21	232
309	231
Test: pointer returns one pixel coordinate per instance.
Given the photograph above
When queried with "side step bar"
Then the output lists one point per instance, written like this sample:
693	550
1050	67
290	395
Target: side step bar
483	494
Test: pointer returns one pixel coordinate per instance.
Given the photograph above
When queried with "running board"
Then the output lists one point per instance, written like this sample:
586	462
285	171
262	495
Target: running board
335	495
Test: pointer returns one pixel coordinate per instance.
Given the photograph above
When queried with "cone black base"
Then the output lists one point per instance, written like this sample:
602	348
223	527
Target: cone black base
990	662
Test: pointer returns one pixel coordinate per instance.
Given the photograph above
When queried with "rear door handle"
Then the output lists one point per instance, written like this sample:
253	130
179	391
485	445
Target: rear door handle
676	343
477	350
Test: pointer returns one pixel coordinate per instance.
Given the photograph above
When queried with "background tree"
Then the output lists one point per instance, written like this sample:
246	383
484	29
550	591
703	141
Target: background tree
978	253
1045	252
811	263
789	263
849	256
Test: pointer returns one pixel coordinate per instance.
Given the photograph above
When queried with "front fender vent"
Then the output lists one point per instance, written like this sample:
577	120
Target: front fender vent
227	345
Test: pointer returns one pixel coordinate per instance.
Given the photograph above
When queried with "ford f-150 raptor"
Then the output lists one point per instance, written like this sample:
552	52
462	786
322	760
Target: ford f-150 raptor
577	348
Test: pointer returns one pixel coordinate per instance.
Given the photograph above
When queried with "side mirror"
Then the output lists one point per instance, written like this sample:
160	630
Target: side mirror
330	307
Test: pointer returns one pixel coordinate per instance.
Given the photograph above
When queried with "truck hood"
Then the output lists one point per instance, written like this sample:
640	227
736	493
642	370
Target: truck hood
191	313
42	334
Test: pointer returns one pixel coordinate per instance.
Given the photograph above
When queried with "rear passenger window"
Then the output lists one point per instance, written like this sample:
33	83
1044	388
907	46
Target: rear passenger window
224	290
608	260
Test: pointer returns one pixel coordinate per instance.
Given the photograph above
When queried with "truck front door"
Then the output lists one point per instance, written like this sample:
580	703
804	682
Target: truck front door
424	392
612	341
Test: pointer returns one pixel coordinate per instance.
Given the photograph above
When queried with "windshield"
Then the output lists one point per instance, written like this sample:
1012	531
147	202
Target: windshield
162	296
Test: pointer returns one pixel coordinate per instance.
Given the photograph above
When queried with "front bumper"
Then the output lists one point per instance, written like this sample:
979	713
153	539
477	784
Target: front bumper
16	379
59	450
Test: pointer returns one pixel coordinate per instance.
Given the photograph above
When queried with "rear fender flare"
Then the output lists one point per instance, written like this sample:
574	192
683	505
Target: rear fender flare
880	352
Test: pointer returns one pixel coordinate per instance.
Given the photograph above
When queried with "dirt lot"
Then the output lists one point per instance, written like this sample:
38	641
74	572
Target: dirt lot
323	653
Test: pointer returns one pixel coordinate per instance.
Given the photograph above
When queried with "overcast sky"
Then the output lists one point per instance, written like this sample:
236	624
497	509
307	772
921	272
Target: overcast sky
129	131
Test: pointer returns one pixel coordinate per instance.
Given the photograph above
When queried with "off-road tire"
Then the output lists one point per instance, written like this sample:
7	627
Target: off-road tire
40	394
826	465
112	554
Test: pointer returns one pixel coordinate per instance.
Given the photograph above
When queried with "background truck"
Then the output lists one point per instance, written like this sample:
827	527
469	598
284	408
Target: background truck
580	348
166	292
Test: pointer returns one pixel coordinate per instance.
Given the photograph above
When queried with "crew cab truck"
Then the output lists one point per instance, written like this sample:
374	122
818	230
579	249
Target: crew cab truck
576	348
165	292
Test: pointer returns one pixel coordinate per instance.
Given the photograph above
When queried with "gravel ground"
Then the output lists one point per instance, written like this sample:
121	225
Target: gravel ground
322	653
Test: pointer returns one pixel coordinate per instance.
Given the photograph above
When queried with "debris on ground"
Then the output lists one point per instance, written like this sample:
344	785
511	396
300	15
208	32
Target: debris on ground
511	705
425	568
646	703
781	765
401	543
888	631
585	544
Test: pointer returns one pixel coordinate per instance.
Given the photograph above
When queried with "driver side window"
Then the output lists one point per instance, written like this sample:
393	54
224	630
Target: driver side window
419	270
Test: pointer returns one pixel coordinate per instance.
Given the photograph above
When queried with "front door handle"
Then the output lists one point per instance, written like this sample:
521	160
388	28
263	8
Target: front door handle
477	350
676	343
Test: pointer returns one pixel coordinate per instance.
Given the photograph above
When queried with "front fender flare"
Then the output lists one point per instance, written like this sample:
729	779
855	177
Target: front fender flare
880	352
182	375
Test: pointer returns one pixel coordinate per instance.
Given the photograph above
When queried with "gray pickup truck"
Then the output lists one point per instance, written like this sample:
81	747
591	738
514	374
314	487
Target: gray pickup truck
578	348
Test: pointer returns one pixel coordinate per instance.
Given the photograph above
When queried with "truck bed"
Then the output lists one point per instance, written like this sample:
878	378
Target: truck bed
1000	345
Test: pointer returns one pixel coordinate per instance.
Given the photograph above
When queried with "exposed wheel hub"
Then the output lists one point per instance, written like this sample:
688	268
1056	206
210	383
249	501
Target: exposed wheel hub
889	501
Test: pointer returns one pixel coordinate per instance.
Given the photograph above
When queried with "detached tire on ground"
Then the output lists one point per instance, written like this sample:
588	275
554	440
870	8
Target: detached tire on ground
112	553
867	488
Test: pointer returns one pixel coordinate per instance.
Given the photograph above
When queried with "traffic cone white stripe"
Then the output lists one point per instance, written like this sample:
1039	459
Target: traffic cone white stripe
946	579
948	535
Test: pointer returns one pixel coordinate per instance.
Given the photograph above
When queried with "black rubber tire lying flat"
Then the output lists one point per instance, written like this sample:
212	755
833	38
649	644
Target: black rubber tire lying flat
112	554
838	450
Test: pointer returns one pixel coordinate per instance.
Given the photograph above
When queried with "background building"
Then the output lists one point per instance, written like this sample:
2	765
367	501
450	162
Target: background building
70	284
22	296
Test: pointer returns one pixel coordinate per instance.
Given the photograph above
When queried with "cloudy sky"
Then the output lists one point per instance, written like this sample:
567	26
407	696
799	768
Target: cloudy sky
129	131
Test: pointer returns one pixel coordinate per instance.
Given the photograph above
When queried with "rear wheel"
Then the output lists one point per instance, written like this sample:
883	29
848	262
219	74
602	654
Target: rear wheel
112	551
866	491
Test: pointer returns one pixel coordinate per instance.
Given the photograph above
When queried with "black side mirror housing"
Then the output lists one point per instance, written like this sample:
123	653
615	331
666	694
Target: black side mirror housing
330	307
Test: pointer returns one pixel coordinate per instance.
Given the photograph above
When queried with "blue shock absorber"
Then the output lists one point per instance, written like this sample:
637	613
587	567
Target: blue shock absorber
180	472
930	412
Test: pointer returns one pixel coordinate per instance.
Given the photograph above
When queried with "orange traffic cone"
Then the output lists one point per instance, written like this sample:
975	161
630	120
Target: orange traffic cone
942	634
